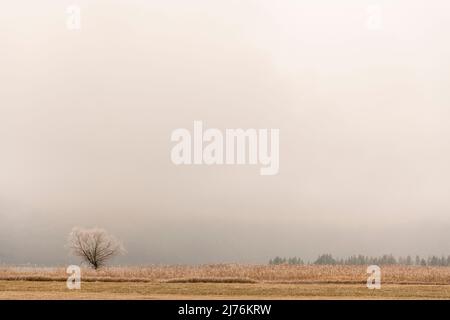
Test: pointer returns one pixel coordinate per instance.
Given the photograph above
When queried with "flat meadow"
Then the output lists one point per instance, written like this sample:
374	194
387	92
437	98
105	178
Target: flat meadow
227	281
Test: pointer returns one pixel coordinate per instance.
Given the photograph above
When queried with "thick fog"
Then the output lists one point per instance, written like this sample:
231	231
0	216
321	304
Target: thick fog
86	118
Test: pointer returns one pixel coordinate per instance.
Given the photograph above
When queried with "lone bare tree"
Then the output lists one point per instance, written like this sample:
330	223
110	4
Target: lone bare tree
95	246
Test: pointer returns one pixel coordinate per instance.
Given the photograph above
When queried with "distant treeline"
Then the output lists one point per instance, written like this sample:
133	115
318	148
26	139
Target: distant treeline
387	259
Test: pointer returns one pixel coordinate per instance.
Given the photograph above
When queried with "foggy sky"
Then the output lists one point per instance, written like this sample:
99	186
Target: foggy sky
86	118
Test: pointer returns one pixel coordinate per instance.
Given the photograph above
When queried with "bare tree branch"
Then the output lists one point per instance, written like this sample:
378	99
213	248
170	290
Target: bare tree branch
94	246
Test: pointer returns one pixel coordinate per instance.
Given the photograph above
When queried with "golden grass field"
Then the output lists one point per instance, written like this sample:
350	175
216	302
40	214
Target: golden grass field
228	281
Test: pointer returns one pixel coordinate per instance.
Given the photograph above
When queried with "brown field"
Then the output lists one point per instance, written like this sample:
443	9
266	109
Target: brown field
228	281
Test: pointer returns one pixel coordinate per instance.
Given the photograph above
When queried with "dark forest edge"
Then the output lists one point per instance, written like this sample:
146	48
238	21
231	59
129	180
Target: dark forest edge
386	259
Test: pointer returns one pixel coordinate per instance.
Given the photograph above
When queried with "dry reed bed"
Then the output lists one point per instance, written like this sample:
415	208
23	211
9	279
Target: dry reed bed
234	273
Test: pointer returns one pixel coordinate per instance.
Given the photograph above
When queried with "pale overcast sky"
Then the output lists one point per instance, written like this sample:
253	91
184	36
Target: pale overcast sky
363	113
